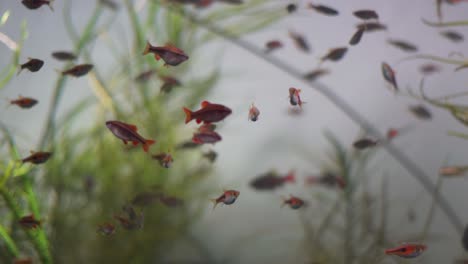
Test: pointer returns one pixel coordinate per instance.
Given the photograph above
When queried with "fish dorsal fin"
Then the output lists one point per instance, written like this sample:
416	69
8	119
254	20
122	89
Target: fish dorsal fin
205	104
132	127
171	47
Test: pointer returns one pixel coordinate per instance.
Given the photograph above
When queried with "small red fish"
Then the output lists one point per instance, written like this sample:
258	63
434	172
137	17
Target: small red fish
209	113
253	113
273	45
106	229
33	65
429	68
206	137
407	250
37	157
294	97
165	159
128	132
170	54
29	222
24	102
389	75
23	261
453	170
271	180
64	55
327	179
78	70
35	4
392	133
365	143
228	197
169	82
293	202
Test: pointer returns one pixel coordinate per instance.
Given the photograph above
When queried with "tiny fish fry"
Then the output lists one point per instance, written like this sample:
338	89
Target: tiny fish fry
228	197
170	54
37	157
407	250
293	202
24	102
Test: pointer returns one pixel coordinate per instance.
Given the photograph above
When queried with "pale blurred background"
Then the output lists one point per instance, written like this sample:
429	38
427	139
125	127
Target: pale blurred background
249	149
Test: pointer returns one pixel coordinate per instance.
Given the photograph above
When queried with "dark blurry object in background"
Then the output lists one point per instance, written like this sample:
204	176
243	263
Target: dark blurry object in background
169	82
335	54
33	65
357	36
23	261
187	145
328	179
364	143
452	35
366	14
37	157
145	198
315	74
371	26
78	70
465	238
300	41
403	45
429	68
171	201
211	155
106	229
63	55
291	8
165	159
144	76
273	45
271	180
110	4
389	75
325	10
89	184
421	112
35	4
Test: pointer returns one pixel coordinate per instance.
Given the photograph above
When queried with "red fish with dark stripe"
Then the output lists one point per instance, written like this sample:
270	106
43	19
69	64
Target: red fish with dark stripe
128	132
209	113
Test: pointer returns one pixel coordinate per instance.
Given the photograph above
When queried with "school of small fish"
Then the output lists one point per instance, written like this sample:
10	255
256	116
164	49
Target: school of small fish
131	216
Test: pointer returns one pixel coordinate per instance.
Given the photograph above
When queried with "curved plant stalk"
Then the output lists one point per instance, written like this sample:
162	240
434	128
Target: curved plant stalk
85	38
9	72
344	106
435	58
445	24
10	244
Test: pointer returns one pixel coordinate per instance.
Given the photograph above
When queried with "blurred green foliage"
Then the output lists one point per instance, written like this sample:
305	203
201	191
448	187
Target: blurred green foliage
91	174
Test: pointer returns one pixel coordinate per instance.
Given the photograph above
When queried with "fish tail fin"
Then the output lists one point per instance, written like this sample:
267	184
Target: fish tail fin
147	144
147	48
19	70
188	115
290	177
215	203
49	4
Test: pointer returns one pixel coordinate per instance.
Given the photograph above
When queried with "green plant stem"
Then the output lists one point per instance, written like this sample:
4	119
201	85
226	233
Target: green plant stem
10	244
445	24
341	104
49	129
